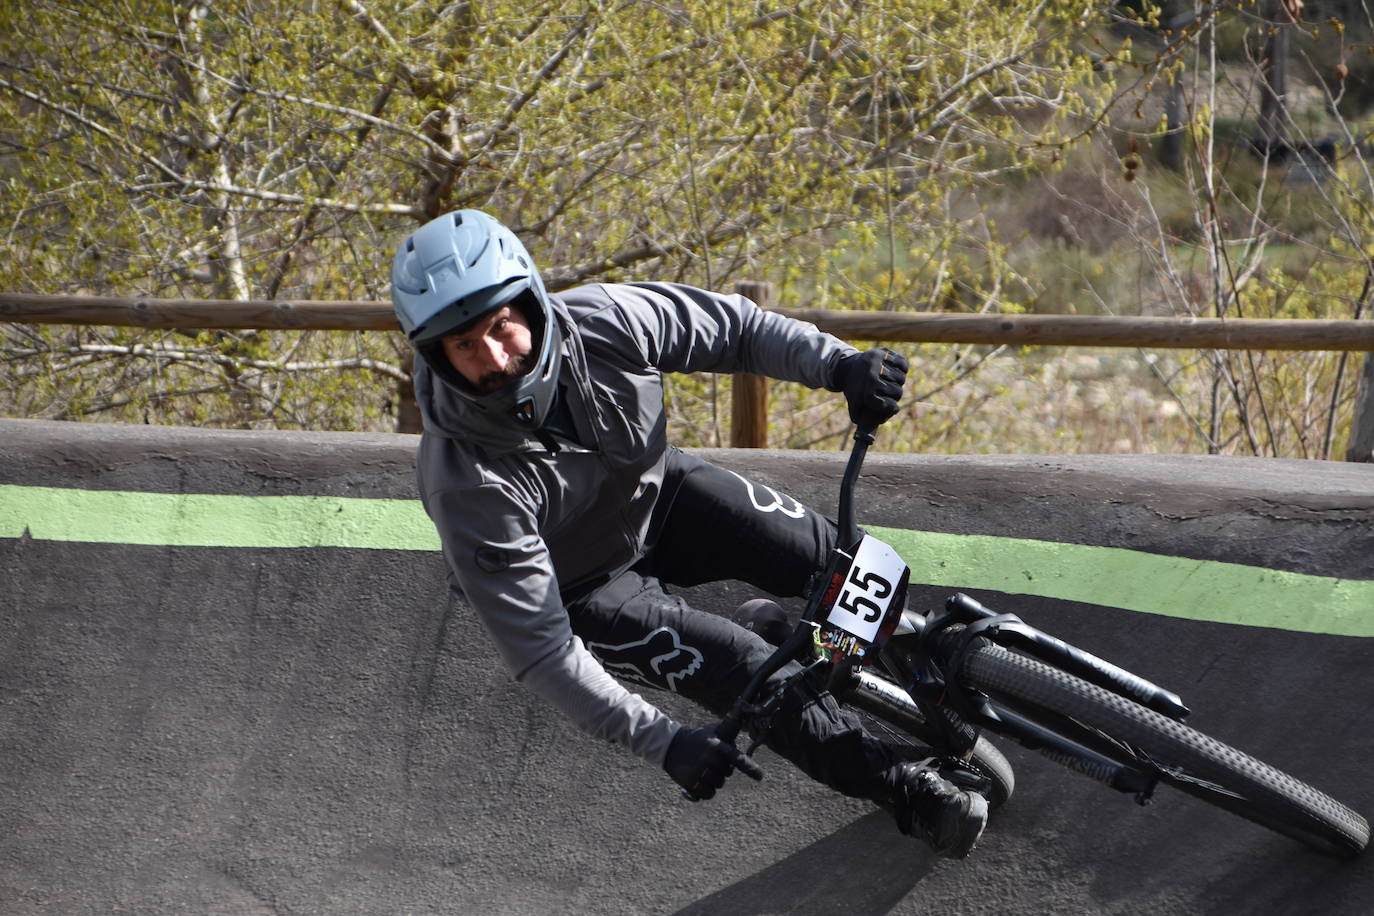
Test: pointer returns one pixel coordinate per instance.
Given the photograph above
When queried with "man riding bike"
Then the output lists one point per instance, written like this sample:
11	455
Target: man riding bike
563	511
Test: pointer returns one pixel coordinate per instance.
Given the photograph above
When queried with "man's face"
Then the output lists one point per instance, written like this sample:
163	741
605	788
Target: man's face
493	351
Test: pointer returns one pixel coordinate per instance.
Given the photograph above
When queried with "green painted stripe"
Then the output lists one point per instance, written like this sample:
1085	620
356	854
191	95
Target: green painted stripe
1112	577
1136	581
199	520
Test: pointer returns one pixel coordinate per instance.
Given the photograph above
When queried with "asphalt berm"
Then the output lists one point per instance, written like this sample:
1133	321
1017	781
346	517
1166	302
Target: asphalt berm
232	681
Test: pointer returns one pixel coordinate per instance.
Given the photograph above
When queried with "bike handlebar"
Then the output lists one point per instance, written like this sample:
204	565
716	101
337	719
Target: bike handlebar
729	728
849	529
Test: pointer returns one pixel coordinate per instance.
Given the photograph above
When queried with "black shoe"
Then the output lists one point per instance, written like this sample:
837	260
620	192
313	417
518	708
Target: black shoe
930	806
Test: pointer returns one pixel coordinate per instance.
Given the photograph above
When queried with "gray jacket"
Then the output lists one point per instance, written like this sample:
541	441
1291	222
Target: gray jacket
519	522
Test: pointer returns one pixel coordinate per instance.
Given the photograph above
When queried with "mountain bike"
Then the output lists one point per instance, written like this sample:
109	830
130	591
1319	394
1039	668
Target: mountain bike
947	676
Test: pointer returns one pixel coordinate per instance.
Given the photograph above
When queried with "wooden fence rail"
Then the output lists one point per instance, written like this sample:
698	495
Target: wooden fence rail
910	327
749	427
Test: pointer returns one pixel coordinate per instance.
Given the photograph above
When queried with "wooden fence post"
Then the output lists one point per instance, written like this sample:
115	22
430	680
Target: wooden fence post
1361	446
749	393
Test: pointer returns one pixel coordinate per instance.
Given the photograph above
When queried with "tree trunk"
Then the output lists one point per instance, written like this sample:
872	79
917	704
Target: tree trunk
1274	124
1361	446
1171	145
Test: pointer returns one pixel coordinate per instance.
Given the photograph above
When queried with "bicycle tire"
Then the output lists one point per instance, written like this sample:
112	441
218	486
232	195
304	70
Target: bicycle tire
904	727
1262	793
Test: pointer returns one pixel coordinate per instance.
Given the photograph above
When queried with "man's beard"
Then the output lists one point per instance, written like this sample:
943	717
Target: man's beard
500	378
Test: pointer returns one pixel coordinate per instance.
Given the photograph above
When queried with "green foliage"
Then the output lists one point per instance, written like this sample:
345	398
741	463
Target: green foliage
913	154
268	148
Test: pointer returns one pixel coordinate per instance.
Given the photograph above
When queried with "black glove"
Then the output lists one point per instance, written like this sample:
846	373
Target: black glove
872	383
699	762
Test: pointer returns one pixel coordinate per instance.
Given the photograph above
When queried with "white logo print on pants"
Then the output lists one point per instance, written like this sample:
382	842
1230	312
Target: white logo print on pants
776	502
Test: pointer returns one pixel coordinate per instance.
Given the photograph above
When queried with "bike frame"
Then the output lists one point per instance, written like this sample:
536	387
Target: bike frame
924	653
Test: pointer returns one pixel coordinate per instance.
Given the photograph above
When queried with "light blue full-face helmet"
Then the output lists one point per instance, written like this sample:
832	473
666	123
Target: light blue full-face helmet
457	268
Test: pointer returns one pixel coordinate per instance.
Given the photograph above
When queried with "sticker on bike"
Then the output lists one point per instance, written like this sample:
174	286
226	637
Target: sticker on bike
659	659
868	590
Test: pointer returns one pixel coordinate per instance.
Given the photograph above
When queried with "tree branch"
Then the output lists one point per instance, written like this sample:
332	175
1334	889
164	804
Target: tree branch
178	180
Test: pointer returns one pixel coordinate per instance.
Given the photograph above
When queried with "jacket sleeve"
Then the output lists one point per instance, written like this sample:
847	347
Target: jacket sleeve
502	566
573	681
684	329
499	562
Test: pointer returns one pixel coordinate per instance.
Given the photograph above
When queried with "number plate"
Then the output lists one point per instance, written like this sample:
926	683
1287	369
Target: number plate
868	590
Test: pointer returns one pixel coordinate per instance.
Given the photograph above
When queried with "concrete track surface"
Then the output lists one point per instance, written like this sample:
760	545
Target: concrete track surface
268	726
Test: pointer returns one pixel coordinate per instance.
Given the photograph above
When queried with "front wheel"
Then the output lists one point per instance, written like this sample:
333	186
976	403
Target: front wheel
1181	756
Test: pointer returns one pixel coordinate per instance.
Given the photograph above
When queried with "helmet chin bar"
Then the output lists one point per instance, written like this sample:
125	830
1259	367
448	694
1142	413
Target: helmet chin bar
511	399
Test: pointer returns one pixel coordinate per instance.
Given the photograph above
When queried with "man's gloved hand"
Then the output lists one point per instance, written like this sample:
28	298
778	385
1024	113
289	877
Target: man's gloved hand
872	384
699	762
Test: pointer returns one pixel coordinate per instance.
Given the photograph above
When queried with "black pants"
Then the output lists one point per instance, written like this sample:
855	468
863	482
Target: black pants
714	525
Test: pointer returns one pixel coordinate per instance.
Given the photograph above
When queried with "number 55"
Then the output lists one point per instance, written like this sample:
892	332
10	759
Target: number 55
862	605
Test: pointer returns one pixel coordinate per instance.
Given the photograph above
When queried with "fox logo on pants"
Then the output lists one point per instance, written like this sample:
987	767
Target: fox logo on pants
658	660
